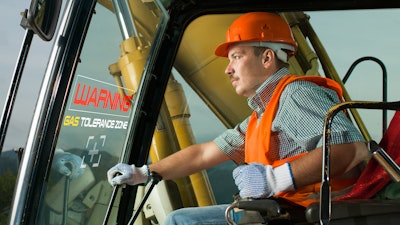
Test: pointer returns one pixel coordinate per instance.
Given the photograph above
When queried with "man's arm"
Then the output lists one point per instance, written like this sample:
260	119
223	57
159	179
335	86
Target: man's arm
344	159
259	181
182	163
189	160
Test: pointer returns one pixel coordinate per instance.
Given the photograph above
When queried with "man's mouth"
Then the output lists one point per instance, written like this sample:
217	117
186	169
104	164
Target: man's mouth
233	80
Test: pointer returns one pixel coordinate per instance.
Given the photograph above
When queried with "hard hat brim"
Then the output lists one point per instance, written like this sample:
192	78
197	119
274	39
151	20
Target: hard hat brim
223	48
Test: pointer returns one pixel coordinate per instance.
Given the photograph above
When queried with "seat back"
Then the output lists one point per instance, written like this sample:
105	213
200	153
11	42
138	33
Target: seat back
374	177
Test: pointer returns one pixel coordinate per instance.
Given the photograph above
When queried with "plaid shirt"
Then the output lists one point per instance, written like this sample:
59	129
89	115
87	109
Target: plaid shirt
299	121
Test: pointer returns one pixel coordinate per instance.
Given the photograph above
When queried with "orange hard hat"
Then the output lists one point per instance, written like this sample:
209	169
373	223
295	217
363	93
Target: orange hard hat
258	27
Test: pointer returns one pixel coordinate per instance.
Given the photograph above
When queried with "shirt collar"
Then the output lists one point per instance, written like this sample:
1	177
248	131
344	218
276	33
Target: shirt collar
264	92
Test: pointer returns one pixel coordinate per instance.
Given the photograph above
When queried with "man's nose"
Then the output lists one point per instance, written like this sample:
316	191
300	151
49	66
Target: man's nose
228	69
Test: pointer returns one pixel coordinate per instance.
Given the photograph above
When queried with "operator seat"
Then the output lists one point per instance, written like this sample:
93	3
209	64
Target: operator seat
354	208
358	206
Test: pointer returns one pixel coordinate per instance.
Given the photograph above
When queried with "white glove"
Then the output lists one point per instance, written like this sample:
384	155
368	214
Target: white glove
128	174
262	181
67	164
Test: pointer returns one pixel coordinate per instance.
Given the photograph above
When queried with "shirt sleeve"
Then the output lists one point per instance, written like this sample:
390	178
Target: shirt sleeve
301	116
231	142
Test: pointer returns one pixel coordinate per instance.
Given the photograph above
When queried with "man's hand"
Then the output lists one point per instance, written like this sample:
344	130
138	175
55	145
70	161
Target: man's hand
262	181
128	174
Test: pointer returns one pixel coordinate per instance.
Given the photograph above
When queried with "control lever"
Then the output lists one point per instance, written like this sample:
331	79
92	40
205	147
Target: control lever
155	178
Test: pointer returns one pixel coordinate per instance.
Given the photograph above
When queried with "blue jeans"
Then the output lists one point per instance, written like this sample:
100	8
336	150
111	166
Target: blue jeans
201	215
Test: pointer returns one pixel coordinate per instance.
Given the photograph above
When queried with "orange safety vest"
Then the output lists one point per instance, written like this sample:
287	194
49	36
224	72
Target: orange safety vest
258	137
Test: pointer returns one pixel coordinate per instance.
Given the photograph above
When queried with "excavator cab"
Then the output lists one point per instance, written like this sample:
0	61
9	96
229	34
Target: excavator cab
118	85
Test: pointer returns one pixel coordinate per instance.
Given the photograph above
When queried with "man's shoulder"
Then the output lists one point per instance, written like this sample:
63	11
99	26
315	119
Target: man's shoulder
301	84
302	88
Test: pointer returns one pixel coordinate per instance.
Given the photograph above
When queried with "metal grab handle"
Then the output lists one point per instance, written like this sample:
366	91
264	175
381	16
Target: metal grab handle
384	83
268	206
227	211
325	193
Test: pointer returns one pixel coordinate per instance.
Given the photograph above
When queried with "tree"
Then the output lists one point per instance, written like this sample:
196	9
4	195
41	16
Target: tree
7	184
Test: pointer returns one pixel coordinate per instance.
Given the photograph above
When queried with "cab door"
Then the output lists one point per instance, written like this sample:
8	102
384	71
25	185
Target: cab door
80	127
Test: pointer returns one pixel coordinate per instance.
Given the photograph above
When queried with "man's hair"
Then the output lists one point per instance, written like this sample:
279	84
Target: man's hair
258	51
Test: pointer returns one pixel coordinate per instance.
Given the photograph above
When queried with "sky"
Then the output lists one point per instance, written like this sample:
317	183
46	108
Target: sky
12	36
346	36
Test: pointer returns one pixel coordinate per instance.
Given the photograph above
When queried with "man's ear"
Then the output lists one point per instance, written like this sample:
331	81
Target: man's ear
268	56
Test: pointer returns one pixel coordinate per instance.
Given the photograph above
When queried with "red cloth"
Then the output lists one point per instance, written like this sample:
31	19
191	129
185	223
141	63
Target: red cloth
374	178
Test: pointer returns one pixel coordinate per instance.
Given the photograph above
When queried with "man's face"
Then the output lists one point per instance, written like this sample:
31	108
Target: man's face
246	70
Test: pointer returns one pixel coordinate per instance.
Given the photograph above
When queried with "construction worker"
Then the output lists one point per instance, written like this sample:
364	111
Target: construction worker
278	147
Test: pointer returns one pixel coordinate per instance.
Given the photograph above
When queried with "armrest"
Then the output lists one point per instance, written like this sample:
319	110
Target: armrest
269	206
355	208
